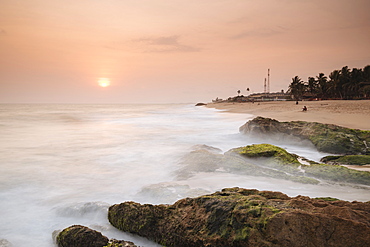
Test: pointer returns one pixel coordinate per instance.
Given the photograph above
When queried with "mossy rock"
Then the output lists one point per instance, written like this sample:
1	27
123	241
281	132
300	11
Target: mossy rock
226	218
337	173
359	160
326	137
278	158
283	166
78	236
268	151
247	217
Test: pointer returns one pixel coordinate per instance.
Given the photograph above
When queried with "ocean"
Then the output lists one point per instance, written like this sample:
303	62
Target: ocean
63	165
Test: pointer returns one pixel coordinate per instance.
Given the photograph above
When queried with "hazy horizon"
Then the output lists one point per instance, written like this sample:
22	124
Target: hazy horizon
156	51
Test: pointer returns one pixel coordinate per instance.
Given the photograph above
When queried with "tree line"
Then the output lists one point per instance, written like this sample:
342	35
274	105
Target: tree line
341	84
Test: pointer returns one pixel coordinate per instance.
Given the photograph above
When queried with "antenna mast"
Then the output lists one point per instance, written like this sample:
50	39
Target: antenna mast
268	81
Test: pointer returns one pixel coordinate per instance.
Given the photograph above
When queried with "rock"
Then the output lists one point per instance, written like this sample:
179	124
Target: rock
82	236
326	137
278	158
200	104
268	151
241	217
265	160
203	160
78	236
359	160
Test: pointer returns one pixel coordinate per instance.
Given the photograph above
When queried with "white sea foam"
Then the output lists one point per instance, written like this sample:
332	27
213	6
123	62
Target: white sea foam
65	164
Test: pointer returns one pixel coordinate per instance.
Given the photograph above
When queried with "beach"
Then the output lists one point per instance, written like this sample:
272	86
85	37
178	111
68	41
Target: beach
353	114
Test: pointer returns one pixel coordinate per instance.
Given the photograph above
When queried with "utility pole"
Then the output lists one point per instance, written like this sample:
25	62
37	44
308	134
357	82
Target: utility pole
264	87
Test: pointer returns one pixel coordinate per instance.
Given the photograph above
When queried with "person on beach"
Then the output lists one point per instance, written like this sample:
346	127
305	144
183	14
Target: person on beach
304	108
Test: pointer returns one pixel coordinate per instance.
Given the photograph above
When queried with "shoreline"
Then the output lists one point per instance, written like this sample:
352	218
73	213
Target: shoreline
354	114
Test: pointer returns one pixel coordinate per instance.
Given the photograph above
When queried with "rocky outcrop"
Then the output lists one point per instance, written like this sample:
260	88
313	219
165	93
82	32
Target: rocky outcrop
241	217
267	160
278	158
326	137
206	160
79	236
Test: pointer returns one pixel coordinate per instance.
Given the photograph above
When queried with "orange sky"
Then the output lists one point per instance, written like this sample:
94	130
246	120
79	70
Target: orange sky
172	51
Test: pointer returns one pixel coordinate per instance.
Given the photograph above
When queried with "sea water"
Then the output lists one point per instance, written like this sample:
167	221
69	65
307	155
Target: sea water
62	165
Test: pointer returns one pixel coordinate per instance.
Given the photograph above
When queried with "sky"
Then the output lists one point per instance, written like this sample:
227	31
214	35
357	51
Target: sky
172	51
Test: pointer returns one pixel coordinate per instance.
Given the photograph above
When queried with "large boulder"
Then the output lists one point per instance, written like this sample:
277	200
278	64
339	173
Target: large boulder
326	137
241	217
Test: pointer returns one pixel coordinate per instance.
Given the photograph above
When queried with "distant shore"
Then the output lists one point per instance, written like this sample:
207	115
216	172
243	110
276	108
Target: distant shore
353	114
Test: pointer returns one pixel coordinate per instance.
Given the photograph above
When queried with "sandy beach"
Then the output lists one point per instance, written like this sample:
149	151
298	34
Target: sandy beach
347	113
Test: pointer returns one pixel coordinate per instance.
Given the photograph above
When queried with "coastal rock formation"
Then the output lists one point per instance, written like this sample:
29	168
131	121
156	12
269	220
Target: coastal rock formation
268	161
205	160
278	158
359	160
326	137
78	236
241	217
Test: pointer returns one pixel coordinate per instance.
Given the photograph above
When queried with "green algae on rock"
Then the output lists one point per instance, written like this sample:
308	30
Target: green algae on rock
242	217
203	160
359	160
269	151
337	173
276	157
326	137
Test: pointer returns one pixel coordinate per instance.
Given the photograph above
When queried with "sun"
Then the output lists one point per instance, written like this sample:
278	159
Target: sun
104	82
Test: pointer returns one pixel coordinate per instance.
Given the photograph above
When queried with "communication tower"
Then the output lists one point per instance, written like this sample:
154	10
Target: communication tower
268	81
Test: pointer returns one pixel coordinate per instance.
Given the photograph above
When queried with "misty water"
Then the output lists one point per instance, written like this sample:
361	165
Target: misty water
62	165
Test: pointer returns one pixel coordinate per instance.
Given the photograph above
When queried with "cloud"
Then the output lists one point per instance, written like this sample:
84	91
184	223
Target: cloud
165	44
262	32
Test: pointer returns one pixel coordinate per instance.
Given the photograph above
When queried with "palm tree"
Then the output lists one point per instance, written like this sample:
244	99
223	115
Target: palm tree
343	80
365	85
322	81
312	85
366	73
334	89
238	92
353	86
297	88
